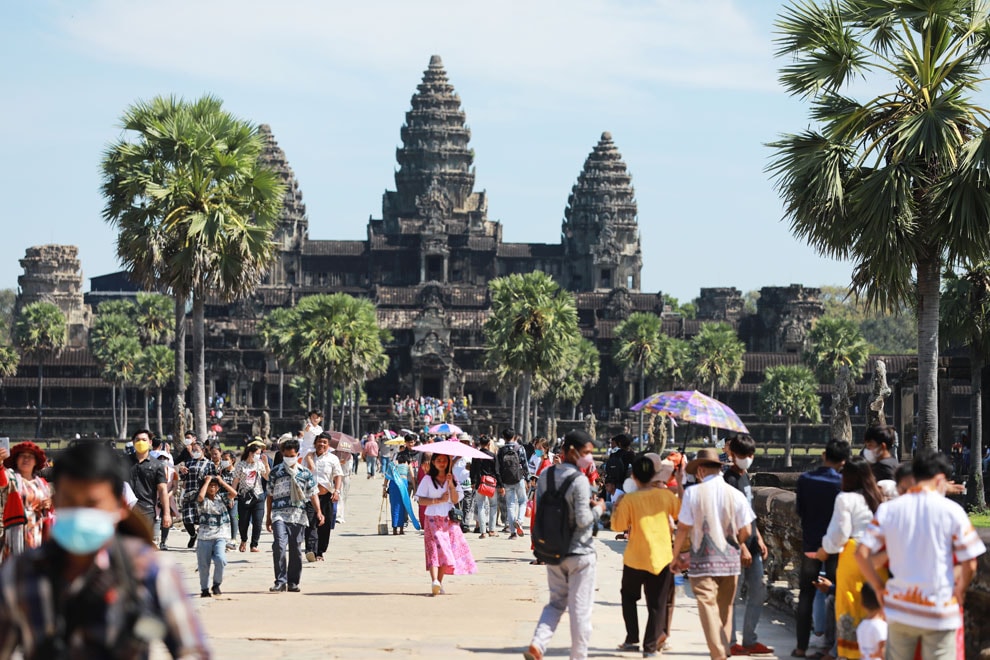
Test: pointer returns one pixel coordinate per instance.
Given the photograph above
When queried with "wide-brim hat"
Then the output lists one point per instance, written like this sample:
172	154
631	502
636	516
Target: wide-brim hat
39	455
664	469
706	456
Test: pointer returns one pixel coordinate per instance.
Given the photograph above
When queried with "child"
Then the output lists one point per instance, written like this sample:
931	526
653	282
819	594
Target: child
871	633
214	530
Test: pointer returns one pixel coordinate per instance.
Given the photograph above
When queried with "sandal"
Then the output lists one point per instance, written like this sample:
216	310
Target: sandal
798	653
495	534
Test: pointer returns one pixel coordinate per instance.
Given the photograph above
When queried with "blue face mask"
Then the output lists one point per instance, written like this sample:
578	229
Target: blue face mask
538	453
83	531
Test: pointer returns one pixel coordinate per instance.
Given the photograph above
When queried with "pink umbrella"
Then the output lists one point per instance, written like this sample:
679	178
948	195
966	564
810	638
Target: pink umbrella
446	429
341	442
452	448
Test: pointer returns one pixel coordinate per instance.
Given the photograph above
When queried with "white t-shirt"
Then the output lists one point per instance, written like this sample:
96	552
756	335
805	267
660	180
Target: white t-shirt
427	489
869	634
850	518
326	468
310	431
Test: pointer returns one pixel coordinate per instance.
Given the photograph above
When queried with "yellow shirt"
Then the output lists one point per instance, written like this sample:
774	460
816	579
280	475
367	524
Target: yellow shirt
646	514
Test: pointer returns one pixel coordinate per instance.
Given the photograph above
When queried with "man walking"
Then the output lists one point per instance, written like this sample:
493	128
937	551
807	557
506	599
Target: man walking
572	581
147	479
485	477
325	467
371	451
815	502
290	487
193	472
716	518
513	470
923	598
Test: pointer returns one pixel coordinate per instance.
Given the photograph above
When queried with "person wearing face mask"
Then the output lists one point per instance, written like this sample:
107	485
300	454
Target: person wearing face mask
225	470
187	442
878	443
923	533
96	588
193	472
741	450
290	487
148	481
250	474
572	581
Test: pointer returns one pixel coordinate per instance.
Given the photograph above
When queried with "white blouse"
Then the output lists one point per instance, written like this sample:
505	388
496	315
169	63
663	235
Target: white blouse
427	489
850	518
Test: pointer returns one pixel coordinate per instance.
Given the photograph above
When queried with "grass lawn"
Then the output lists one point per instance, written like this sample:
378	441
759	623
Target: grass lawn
980	519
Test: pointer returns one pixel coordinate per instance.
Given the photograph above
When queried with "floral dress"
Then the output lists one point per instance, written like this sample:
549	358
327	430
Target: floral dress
33	493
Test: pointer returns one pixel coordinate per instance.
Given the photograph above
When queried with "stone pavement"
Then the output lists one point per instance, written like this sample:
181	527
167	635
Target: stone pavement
371	599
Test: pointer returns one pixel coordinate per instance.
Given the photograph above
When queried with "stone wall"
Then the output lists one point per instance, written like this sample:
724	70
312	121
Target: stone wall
781	529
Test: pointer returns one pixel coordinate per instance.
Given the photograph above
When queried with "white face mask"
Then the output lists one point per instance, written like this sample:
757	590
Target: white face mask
225	464
197	455
187	442
586	461
870	455
743	463
290	461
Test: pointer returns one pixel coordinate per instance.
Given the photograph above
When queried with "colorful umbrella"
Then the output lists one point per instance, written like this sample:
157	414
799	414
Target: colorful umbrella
693	407
343	442
396	442
452	448
446	429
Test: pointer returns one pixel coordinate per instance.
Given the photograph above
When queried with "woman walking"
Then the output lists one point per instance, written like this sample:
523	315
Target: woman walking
447	552
397	490
249	475
27	497
854	510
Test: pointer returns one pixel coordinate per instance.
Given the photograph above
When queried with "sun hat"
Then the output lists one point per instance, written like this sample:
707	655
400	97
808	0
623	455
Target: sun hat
29	447
706	456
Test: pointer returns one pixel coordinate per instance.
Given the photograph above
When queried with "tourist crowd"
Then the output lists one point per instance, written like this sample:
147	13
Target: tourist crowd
429	410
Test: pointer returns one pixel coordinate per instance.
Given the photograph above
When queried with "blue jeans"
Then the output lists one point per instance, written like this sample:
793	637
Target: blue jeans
756	595
215	550
480	503
288	537
515	505
371	463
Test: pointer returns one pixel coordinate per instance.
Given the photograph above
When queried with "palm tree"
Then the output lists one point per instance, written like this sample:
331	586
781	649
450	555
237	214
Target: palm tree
153	370
276	331
791	391
837	343
579	368
532	325
897	182
154	315
637	349
965	313
718	356
40	332
113	342
195	211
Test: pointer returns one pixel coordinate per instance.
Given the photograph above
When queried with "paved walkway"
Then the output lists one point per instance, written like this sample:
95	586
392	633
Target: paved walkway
371	599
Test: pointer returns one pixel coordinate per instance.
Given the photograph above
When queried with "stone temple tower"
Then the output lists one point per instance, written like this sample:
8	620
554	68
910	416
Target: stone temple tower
52	274
293	227
600	233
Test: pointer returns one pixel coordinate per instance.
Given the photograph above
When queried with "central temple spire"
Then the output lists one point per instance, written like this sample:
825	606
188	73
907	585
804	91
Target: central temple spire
434	153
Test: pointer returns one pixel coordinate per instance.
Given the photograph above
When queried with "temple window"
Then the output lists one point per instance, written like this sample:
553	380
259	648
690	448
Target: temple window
606	280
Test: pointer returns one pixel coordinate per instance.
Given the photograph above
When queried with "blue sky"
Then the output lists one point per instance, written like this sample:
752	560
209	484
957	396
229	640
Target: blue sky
687	89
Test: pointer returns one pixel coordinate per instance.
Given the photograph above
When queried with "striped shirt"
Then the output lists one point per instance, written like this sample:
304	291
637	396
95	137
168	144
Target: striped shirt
922	533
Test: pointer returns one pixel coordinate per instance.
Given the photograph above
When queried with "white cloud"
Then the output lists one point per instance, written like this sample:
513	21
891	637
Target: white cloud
584	47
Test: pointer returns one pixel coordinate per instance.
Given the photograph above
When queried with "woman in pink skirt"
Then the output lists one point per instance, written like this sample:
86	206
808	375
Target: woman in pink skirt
447	552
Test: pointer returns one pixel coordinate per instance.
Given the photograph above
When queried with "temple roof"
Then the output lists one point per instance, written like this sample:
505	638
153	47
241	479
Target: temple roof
603	193
293	208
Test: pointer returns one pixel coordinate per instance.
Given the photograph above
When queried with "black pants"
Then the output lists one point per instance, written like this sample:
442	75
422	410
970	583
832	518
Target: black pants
318	536
657	589
806	599
250	514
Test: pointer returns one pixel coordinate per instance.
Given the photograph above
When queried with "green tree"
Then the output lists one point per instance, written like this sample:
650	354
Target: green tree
114	344
897	182
965	313
790	391
154	315
9	359
195	210
533	324
579	369
153	370
636	349
40	333
717	354
8	301
834	343
275	331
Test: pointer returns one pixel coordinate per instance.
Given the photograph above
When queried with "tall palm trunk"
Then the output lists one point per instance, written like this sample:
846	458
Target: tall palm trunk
526	395
41	392
116	411
515	392
976	496
787	444
179	405
199	366
158	411
929	281
123	410
343	393
281	392
642	395
147	418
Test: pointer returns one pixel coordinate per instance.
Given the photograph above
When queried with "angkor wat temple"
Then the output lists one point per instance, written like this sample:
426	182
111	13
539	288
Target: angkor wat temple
426	264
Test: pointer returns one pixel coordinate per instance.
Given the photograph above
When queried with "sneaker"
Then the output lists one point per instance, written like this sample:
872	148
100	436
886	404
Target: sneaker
294	588
277	588
443	591
205	593
628	646
738	649
758	649
818	641
311	556
231	545
162	546
437	588
513	535
650	654
192	541
216	590
533	653
340	521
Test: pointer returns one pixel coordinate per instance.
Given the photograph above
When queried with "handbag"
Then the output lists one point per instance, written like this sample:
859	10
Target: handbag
487	486
455	515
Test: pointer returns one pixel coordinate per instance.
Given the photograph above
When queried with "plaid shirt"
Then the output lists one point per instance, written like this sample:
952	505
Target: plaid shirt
92	606
192	480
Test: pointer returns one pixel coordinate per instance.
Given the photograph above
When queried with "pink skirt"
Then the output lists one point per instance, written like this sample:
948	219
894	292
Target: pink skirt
446	547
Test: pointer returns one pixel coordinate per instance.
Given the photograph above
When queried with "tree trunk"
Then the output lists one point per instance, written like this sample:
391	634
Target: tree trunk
515	392
41	393
787	444
343	393
329	408
928	310
199	366
976	497
123	410
147	419
527	387
642	395
116	411
281	392
158	411
179	405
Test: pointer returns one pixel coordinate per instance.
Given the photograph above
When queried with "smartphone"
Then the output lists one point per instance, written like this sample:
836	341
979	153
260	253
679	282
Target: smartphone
5	443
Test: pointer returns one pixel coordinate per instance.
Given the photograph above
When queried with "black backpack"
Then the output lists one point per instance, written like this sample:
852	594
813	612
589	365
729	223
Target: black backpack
510	469
552	530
